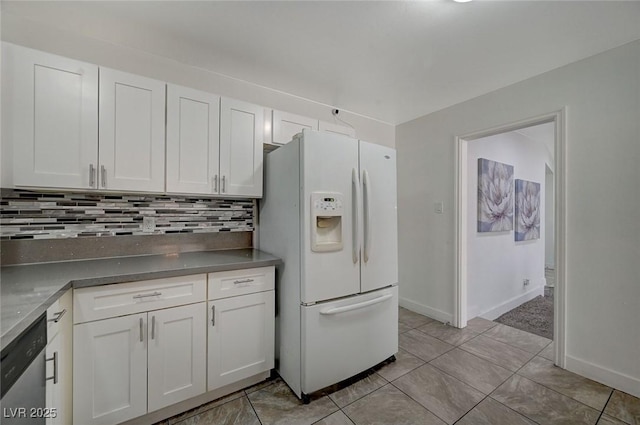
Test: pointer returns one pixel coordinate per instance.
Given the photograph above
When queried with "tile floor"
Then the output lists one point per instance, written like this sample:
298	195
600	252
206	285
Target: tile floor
486	373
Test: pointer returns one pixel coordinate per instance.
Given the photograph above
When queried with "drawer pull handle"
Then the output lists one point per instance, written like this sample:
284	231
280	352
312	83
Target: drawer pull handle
141	331
54	359
58	316
153	327
213	315
238	282
155	294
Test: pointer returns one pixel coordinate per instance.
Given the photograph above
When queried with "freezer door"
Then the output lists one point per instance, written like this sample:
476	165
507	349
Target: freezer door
379	260
343	338
330	166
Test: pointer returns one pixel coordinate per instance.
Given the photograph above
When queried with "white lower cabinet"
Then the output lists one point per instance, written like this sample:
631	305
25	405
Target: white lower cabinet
59	375
241	338
110	370
131	365
141	346
177	357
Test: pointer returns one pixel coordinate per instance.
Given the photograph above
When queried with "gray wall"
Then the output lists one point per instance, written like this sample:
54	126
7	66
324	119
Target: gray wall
602	99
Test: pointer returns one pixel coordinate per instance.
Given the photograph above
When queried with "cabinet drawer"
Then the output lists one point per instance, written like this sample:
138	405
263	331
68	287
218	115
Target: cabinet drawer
58	314
106	301
240	282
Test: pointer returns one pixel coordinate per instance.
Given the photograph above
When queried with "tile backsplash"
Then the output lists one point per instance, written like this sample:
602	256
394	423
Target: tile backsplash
52	215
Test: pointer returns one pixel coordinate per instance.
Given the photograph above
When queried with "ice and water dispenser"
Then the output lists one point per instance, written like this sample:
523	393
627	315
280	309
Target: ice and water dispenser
326	221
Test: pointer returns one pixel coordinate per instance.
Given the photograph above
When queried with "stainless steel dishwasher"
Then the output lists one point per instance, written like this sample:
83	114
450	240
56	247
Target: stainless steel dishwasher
22	385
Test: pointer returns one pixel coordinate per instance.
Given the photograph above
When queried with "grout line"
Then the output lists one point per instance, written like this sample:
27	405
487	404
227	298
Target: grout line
420	404
605	406
253	408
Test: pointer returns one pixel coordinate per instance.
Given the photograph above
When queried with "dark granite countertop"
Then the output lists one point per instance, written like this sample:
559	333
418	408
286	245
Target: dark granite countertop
26	291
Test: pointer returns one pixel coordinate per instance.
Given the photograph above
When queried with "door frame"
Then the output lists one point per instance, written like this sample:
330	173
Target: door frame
461	209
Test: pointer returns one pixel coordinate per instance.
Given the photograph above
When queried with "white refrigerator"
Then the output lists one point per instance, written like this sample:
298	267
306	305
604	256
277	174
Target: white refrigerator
329	211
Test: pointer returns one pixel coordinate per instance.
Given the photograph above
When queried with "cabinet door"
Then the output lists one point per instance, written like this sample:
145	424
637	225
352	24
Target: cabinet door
177	354
241	130
337	129
51	118
193	141
286	125
59	383
131	132
53	392
241	338
110	370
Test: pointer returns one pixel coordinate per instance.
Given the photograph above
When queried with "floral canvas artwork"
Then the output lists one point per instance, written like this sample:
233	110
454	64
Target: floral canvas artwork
495	196
527	210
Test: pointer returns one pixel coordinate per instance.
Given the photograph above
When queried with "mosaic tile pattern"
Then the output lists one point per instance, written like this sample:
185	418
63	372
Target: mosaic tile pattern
43	215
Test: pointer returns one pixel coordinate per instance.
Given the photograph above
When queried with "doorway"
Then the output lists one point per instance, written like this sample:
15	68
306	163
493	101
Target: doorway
487	287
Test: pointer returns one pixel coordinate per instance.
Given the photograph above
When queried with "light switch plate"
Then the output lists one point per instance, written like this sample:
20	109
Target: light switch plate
438	207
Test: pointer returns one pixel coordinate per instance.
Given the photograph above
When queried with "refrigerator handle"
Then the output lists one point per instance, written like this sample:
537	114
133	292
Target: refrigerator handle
337	310
366	199
356	213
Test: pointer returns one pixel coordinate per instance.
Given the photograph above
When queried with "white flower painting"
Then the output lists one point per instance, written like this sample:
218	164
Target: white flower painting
495	196
527	210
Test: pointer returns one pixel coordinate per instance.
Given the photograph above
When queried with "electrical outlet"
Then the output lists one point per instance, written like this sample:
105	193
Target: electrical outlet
525	282
148	224
438	207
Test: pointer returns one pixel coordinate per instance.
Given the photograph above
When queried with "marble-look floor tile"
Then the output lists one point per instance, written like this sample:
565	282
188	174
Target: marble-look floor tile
478	324
444	395
411	318
608	420
389	405
261	385
446	333
541	404
490	412
403	327
205	407
337	418
235	412
357	390
548	352
625	407
422	345
479	373
497	352
276	404
517	338
568	383
405	362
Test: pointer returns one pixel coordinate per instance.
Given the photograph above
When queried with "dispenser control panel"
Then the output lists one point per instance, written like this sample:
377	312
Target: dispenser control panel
326	221
328	204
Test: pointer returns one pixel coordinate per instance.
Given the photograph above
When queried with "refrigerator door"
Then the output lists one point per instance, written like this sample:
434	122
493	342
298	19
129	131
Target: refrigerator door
329	166
379	259
345	337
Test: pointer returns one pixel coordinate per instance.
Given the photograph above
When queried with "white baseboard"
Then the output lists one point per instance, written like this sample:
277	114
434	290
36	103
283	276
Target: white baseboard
433	313
619	381
502	308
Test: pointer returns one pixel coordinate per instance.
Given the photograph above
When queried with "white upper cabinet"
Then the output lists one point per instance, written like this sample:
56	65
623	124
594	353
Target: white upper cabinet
241	137
337	129
193	141
50	117
131	132
286	125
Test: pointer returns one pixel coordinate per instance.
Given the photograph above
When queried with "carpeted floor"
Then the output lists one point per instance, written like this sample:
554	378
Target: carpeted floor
535	316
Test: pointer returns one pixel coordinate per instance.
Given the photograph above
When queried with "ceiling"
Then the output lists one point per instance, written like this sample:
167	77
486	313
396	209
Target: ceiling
392	61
